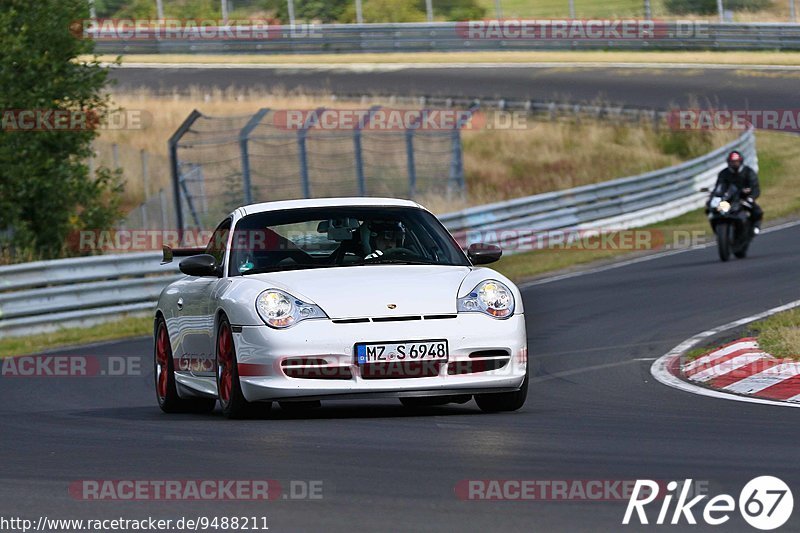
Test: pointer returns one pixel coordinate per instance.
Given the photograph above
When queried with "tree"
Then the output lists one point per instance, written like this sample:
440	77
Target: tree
46	190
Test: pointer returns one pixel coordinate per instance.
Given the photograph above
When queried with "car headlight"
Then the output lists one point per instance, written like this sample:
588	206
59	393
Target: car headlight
280	309
490	297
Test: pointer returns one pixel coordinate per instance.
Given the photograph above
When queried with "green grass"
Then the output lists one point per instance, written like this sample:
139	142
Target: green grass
779	335
694	353
121	329
779	159
560	8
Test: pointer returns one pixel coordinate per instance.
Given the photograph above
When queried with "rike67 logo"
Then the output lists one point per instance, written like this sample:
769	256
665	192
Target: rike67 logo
765	503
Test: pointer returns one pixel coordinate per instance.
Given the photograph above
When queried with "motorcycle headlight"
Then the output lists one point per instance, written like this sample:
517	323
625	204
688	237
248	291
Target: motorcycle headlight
724	206
280	309
490	297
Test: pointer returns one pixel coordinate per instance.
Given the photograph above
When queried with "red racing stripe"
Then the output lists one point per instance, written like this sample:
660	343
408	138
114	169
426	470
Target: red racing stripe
723	359
745	371
783	390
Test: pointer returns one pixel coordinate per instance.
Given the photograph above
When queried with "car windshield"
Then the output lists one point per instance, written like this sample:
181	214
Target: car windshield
320	237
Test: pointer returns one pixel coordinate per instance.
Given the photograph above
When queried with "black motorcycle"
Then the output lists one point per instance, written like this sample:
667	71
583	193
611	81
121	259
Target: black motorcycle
730	216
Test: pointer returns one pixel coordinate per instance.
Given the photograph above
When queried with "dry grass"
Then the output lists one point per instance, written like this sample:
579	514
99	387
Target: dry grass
550	156
601	56
779	159
541	156
779	335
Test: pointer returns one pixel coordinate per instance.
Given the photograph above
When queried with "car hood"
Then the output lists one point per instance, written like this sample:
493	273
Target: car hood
368	291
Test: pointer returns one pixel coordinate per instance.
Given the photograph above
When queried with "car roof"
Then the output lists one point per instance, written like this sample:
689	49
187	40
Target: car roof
327	202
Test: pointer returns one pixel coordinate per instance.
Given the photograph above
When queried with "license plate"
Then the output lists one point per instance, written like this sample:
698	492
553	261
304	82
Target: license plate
386	352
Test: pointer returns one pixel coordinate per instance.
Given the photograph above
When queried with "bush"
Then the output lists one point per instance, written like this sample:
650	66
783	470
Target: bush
46	190
455	9
685	144
384	11
307	10
708	7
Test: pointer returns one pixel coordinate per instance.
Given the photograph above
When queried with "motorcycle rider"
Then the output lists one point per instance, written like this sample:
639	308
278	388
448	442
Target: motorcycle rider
746	181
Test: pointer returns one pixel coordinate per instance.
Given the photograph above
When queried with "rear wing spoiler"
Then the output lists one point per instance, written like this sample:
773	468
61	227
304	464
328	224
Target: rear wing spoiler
169	253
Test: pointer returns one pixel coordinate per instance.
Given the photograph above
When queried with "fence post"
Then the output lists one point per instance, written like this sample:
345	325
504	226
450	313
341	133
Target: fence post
412	170
363	121
143	209
457	157
310	121
162	201
145	175
173	163
244	136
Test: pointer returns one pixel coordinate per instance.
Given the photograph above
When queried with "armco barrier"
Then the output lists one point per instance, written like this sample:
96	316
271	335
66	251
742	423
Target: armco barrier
452	36
47	295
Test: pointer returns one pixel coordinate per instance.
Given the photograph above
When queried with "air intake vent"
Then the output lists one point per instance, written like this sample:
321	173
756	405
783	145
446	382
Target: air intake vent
396	318
489	353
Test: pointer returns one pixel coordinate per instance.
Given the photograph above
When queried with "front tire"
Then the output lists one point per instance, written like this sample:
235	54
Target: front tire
723	231
505	401
164	370
229	388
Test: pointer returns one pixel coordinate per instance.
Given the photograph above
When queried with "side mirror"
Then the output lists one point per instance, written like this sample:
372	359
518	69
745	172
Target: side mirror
483	254
705	189
199	265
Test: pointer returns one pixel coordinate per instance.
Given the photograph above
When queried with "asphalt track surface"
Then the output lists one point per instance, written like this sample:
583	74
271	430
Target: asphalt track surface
647	87
594	413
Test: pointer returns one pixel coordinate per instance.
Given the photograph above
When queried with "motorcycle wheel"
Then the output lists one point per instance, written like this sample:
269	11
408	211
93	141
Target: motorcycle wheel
723	231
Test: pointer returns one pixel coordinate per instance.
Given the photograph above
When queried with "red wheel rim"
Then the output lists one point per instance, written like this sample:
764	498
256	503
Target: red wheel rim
226	360
162	361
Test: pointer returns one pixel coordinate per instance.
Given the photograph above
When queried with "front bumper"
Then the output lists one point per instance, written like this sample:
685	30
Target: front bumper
485	355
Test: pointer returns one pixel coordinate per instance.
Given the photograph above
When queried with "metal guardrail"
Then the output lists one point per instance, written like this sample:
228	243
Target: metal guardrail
622	203
47	295
453	36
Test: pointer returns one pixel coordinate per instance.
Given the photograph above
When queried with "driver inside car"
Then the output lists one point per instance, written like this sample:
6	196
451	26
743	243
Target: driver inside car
381	237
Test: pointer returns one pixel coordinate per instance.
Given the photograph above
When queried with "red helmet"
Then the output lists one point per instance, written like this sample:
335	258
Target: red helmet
735	160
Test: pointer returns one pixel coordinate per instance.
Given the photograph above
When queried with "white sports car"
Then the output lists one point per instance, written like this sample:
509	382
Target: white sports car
304	300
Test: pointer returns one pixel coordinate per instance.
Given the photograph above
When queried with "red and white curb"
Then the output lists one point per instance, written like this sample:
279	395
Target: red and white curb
743	368
737	371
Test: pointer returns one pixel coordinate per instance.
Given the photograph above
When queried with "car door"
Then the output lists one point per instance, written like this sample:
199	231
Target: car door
197	308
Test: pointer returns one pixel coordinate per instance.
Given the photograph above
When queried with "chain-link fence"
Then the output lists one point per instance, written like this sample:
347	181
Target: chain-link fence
220	163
